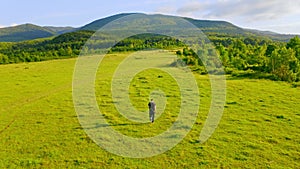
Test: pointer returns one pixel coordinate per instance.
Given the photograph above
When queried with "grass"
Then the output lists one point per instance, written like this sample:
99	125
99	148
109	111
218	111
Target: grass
39	126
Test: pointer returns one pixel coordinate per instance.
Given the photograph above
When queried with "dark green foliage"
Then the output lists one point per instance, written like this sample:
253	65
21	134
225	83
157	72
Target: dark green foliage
147	41
294	44
73	37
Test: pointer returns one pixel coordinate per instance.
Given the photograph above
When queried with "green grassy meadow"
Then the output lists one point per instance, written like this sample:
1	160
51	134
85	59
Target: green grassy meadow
39	127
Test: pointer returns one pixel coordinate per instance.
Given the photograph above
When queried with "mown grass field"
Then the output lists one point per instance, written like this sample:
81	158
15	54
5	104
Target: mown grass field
260	127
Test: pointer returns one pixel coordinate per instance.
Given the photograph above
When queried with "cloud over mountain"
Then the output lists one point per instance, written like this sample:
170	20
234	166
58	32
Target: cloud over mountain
250	10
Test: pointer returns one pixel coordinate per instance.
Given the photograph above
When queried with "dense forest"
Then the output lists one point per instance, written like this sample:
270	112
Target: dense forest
242	56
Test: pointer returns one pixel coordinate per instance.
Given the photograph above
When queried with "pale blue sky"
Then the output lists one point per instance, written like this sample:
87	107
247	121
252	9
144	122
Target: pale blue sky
281	16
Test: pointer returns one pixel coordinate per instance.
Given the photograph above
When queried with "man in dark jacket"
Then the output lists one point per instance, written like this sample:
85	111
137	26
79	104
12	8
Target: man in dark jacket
152	109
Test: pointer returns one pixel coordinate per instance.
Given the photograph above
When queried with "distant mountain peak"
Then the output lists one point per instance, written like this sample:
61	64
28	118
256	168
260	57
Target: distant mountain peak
30	31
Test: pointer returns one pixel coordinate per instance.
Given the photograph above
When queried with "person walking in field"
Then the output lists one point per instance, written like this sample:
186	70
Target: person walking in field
152	109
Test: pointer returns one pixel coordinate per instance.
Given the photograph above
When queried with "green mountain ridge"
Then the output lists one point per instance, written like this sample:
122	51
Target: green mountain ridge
209	27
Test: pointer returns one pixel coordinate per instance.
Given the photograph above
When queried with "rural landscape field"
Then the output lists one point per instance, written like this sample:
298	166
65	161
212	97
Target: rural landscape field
40	126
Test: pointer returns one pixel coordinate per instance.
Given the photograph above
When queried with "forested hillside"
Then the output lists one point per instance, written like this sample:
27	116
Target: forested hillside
63	46
242	52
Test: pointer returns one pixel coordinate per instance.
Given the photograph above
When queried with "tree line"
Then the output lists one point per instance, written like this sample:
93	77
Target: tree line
252	57
72	44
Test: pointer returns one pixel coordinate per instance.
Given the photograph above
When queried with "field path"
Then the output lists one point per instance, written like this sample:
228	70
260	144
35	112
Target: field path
29	100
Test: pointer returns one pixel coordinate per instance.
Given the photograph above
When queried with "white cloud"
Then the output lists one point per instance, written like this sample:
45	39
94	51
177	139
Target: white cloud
276	15
149	2
250	10
190	7
11	25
